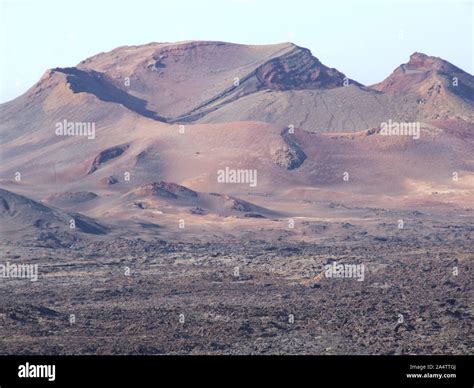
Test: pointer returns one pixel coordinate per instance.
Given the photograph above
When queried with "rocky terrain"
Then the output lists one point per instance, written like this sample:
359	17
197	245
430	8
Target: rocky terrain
229	295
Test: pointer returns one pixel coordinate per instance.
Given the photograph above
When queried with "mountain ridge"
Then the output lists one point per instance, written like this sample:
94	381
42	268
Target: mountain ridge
209	82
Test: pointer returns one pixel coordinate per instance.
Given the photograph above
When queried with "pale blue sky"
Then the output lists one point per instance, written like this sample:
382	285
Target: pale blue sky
366	39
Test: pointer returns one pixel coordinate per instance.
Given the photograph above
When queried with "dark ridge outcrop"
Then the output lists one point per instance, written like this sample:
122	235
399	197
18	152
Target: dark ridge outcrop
106	155
102	87
108	180
290	156
298	70
177	189
67	197
164	190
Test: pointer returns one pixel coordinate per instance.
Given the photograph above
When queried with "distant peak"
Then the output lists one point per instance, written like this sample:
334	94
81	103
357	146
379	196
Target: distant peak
420	69
416	55
423	62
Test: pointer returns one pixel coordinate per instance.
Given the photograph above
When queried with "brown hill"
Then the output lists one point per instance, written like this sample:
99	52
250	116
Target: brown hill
440	89
20	214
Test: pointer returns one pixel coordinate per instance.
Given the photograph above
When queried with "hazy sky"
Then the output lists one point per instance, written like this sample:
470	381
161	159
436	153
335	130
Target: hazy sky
365	40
